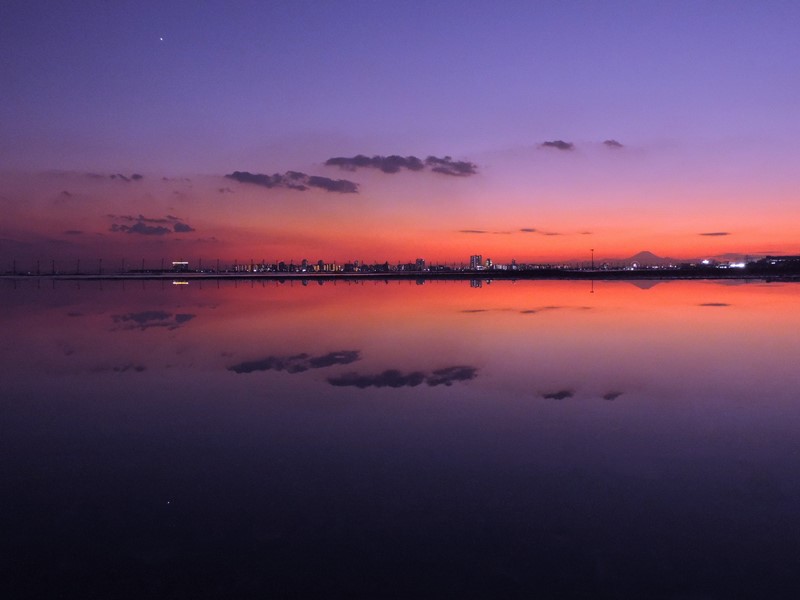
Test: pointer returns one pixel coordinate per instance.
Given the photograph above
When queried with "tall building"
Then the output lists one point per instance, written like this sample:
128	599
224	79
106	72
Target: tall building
475	262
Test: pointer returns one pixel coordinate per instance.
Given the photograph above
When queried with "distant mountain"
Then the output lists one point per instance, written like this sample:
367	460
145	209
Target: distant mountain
648	259
645	259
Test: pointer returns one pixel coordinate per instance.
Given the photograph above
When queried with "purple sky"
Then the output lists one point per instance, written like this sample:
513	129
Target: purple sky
702	95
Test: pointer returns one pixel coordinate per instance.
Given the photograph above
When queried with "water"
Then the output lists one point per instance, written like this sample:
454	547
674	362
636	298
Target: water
528	439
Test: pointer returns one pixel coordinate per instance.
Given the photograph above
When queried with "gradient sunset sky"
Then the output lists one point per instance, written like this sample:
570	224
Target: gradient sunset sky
202	130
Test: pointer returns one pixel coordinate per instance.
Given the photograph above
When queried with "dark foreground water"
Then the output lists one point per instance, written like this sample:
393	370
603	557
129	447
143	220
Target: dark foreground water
394	440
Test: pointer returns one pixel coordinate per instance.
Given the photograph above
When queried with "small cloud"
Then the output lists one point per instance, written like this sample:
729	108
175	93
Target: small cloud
389	378
73	232
342	186
395	163
449	375
614	144
558	145
715	233
144	219
559	395
140	228
538	231
714	304
611	395
225	190
396	379
125	178
297	363
295	180
149	225
533	311
472	231
66	194
150	319
387	164
342	357
448	166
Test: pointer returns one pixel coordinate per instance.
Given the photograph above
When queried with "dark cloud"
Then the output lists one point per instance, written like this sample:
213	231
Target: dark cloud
475	310
225	190
387	164
395	163
714	304
612	144
559	395
538	231
73	232
394	378
524	230
292	364
295	180
714	233
150	319
297	363
144	219
149	225
141	228
341	186
449	375
611	395
558	145
389	378
126	178
342	357
448	166
66	194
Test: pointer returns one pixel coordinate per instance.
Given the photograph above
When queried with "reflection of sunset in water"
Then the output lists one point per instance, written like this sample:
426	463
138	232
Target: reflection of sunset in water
622	425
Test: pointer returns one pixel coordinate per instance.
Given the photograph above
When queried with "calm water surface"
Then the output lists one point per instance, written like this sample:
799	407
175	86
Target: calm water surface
529	439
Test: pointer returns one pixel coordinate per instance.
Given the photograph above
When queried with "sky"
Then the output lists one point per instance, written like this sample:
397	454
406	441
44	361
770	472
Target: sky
533	131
